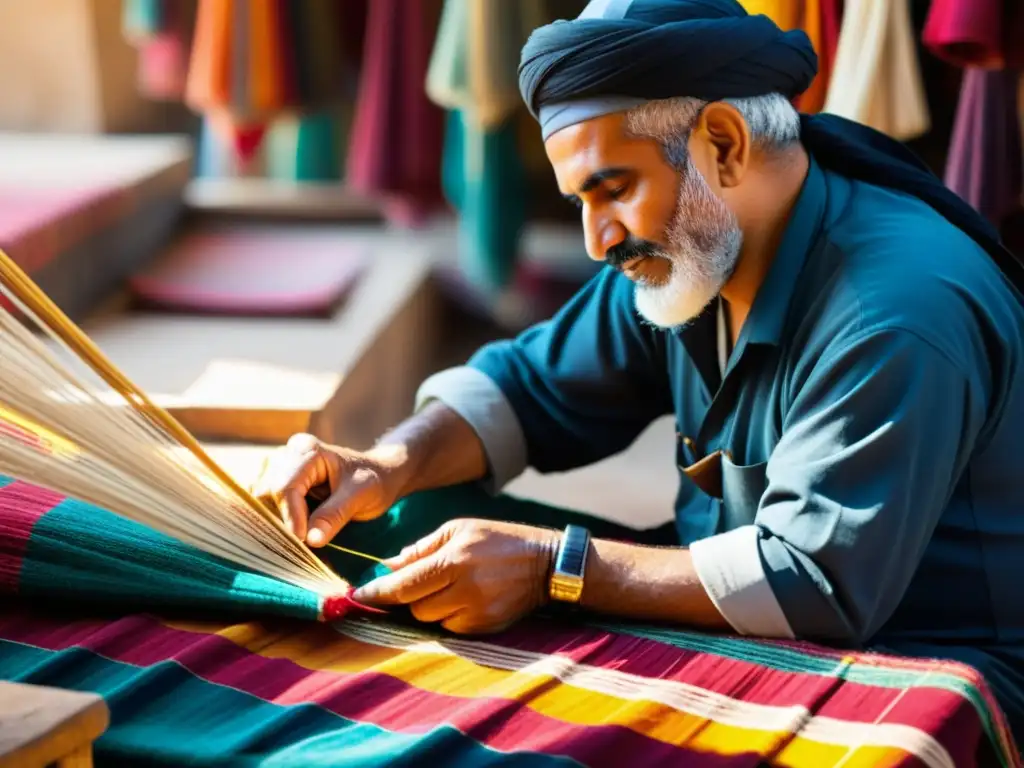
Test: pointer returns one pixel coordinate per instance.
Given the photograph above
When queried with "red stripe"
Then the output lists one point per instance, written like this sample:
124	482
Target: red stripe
827	695
374	698
21	506
395	705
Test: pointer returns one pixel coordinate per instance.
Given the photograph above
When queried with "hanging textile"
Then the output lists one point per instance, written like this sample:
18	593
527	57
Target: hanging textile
161	32
976	33
255	61
397	134
819	19
473	74
985	163
305	147
876	79
485	182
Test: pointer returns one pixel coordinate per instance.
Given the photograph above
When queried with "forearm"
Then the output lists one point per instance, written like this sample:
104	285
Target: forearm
649	584
434	448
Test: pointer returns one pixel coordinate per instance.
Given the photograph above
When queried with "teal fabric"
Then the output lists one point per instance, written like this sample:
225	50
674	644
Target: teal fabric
143	18
85	555
163	715
485	181
80	554
305	148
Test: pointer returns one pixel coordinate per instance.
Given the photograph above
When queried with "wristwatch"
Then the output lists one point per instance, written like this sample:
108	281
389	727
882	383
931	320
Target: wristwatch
566	583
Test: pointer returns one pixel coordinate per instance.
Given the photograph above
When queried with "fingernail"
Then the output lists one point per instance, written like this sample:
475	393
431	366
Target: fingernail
365	593
316	537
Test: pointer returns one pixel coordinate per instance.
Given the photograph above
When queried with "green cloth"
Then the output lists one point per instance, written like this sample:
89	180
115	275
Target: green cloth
485	181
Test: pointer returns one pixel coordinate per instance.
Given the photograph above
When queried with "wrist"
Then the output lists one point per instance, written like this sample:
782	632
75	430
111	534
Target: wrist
397	463
547	552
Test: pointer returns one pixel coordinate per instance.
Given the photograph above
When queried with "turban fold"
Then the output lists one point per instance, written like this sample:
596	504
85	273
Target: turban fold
637	50
619	54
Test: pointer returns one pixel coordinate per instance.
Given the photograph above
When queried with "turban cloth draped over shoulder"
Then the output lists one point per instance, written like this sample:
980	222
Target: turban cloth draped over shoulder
619	54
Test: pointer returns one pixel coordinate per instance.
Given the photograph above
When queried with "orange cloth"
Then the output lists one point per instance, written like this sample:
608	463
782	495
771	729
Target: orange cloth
209	76
809	16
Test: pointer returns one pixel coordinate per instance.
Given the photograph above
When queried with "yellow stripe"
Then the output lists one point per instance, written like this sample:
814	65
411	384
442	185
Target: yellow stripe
54	442
322	649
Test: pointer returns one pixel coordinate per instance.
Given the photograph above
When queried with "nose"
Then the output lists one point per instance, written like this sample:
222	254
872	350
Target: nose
601	233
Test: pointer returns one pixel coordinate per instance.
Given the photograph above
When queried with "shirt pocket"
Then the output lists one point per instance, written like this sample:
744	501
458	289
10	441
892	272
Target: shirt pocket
742	489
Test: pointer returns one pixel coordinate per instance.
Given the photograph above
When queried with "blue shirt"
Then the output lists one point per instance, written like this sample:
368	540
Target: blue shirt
870	420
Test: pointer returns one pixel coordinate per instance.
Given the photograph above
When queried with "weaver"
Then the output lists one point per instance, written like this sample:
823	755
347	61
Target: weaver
837	337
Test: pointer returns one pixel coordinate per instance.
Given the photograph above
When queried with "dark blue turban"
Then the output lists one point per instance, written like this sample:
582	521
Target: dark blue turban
619	54
655	49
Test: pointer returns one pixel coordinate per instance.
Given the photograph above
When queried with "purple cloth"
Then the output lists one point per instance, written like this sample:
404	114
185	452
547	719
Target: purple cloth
985	158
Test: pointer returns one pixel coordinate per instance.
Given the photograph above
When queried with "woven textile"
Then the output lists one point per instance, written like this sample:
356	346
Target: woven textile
255	688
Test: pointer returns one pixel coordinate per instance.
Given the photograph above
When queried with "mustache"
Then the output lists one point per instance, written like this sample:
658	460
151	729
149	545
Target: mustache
631	248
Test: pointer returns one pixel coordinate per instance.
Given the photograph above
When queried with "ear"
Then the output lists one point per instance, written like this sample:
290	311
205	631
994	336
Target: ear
725	130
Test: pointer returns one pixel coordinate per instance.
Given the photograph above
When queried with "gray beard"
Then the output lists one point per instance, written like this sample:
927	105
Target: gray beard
703	248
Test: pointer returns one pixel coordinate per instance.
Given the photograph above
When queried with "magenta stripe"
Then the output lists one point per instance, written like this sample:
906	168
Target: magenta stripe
21	506
368	697
738	678
144	641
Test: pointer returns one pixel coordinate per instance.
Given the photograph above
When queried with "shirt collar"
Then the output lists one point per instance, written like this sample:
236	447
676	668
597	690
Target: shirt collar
770	309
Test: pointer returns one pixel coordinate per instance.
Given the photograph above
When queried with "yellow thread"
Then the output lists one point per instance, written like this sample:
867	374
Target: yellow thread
55	441
353	552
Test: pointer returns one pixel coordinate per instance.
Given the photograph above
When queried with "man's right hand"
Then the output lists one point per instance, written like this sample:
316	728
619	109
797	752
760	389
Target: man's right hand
362	485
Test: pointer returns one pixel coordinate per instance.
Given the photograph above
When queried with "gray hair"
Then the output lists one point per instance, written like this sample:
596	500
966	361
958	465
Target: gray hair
774	123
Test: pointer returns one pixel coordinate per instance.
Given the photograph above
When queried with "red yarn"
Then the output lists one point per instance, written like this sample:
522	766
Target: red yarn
338	606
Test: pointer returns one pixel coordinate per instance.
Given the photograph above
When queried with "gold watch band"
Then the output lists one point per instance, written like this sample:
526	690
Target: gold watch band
569	572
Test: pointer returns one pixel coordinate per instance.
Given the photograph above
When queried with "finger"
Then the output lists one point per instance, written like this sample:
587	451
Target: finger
284	476
418	550
301	466
292	499
461	623
464	622
419	580
437	607
334	514
303	442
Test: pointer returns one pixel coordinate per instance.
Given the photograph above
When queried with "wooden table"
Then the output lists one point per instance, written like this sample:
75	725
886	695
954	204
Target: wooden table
42	726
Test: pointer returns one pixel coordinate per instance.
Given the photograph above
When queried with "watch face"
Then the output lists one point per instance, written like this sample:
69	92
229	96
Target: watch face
567	580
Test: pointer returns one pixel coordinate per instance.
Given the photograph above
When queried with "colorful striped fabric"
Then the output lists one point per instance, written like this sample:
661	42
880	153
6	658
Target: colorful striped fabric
266	687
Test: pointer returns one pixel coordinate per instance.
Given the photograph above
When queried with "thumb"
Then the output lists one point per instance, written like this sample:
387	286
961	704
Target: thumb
353	494
418	550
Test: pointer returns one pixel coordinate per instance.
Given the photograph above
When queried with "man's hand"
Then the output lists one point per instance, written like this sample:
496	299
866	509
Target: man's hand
361	485
471	576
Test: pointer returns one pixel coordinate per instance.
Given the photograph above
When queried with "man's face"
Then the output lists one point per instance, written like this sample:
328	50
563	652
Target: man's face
662	226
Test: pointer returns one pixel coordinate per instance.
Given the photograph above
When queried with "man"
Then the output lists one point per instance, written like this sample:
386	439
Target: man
840	341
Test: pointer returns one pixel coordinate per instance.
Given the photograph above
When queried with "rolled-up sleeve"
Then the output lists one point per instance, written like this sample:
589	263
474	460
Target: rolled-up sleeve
481	403
873	442
567	392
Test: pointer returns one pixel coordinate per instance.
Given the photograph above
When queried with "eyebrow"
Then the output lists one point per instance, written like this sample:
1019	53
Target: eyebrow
597	177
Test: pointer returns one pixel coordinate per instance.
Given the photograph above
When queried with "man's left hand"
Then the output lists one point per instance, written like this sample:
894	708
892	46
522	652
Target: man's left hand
471	576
